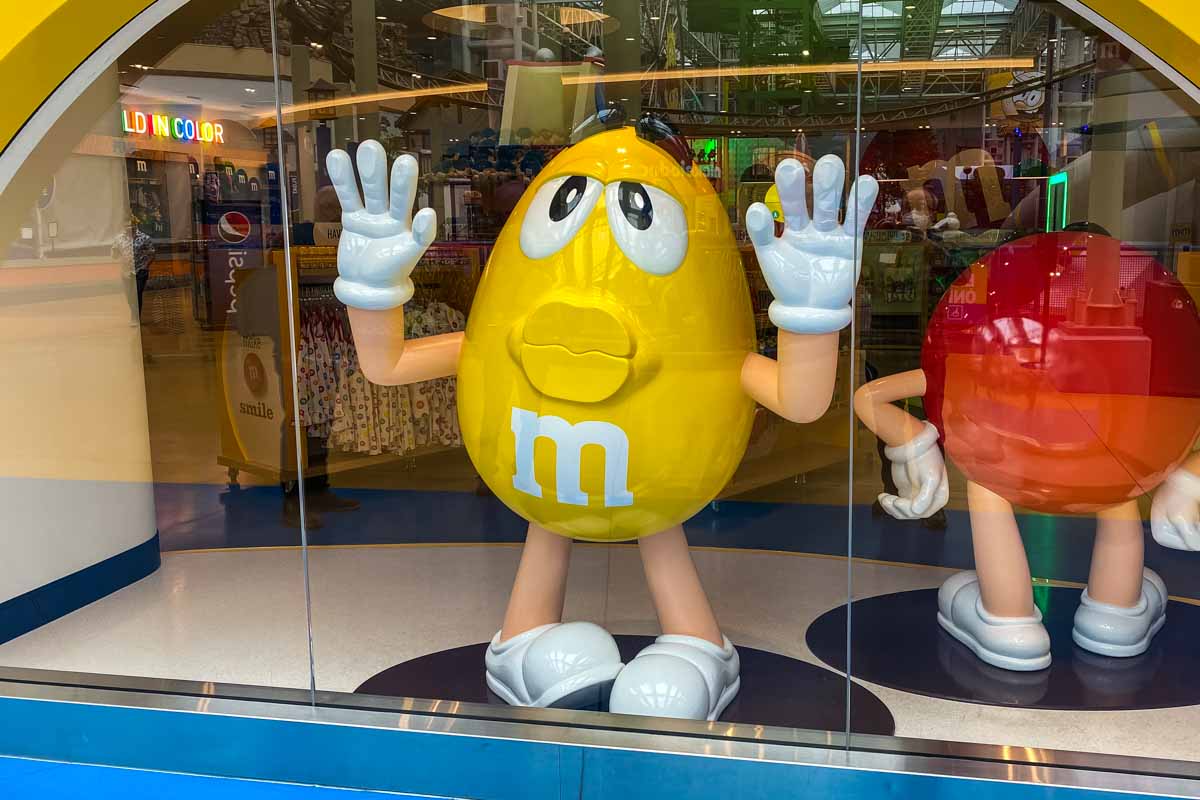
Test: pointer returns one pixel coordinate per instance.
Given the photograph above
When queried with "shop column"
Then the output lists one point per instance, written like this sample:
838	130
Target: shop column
305	146
623	53
366	67
1106	192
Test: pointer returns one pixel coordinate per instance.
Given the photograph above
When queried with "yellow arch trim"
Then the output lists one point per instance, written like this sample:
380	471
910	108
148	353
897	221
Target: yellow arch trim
43	41
1167	28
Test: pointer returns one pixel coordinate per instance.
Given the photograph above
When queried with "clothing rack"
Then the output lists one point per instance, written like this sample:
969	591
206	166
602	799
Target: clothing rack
447	274
317	293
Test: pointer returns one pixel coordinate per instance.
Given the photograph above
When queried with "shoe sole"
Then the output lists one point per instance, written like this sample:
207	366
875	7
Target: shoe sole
726	698
990	657
582	691
1119	650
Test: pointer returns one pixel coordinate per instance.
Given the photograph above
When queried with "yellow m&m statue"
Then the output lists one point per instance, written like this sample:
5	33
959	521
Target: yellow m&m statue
607	380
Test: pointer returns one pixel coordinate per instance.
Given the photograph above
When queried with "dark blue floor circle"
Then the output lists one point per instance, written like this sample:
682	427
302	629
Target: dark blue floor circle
897	642
776	690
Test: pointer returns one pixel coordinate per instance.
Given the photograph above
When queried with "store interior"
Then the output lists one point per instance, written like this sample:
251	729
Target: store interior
202	485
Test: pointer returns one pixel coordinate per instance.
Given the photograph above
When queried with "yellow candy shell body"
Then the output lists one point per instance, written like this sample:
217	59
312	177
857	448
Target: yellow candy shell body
584	336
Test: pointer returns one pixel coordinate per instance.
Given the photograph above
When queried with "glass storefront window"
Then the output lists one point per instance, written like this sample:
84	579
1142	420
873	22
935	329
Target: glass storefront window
849	341
587	206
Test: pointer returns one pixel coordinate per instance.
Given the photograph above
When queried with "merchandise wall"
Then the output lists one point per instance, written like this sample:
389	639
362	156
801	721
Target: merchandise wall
824	369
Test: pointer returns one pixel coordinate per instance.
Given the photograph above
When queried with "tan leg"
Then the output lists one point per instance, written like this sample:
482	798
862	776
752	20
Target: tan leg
1117	557
1005	586
682	605
540	589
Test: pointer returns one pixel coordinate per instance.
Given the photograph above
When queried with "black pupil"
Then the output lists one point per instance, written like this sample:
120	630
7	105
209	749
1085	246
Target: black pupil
635	204
567	197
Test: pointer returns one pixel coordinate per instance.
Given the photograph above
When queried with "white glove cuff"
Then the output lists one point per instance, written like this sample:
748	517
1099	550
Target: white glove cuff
803	319
372	298
914	447
1184	481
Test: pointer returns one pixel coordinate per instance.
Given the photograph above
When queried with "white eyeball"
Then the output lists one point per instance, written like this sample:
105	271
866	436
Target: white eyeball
557	212
648	224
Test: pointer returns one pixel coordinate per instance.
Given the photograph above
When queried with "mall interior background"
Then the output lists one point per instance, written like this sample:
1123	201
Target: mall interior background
152	413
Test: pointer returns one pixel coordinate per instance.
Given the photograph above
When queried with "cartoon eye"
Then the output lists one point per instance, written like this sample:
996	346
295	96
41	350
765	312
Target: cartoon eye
648	224
557	212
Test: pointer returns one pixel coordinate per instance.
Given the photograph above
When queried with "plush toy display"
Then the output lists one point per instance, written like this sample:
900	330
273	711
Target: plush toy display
607	381
1054	373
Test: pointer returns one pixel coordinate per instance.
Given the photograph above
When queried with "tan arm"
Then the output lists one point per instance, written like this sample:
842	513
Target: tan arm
386	359
873	404
799	386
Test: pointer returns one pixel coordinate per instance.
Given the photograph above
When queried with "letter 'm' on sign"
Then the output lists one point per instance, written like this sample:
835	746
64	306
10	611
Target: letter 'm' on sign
569	441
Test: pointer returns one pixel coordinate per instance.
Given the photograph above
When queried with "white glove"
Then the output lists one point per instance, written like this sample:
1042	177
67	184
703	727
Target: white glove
379	245
1175	512
920	475
813	267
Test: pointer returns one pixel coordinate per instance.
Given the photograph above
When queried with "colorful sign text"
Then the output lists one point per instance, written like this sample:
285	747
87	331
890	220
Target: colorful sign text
165	126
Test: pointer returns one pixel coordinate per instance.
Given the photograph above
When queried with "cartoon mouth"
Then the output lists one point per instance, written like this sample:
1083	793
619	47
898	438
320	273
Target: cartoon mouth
578	353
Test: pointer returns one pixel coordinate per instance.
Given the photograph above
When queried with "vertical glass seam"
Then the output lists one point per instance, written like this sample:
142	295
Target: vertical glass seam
858	244
285	213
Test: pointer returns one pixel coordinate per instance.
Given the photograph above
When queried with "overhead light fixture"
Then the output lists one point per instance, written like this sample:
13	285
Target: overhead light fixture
382	18
431	38
804	52
487	14
377	97
251	91
1055	39
712	94
415	75
630	39
655	19
842	68
317	45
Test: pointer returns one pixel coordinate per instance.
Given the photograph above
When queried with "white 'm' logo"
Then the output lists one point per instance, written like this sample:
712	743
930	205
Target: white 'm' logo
569	441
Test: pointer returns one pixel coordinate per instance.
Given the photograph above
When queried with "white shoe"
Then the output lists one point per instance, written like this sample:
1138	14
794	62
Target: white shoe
678	676
1110	630
564	664
1016	643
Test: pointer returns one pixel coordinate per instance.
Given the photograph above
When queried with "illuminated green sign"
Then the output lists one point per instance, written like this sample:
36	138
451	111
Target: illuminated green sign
1056	202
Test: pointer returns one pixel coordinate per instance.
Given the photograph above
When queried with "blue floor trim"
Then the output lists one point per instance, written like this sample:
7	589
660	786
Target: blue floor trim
407	761
630	774
197	516
24	779
47	603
